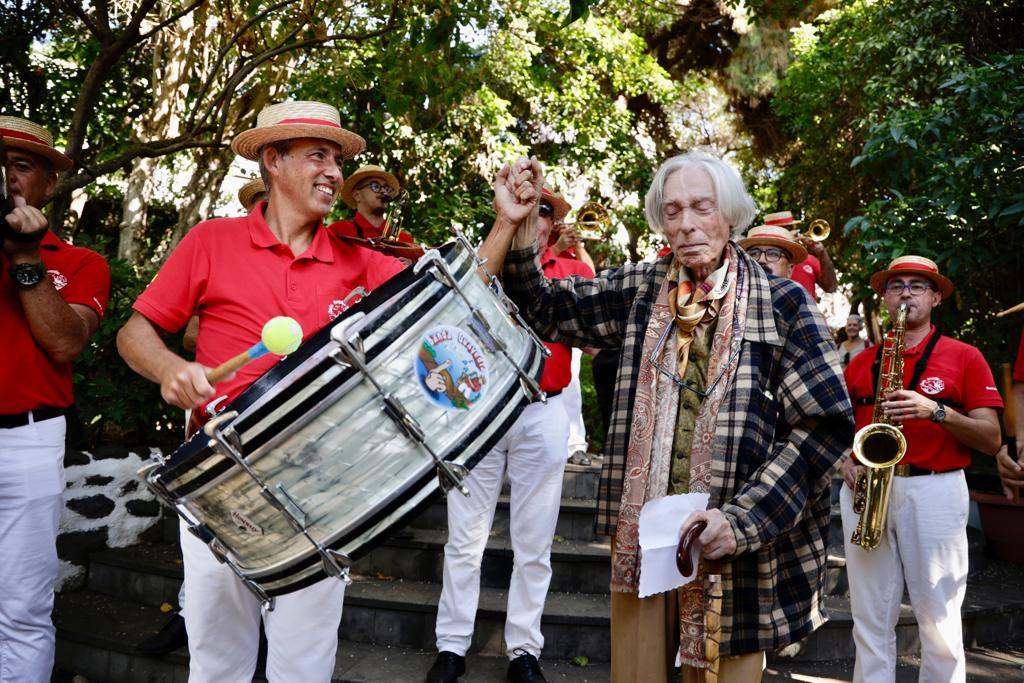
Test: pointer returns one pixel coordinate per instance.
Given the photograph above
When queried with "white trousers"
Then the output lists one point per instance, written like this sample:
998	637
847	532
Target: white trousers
532	453
925	544
223	623
31	485
573	400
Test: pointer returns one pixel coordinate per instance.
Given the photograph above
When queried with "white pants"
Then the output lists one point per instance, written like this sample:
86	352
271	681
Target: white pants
533	455
223	623
573	400
31	485
925	543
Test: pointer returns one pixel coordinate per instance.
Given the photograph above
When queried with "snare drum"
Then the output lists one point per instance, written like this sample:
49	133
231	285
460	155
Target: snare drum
360	429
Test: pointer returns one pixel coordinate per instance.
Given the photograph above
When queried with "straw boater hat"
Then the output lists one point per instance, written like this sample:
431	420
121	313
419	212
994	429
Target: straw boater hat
558	203
912	265
780	218
291	120
773	236
247	195
364	172
23	134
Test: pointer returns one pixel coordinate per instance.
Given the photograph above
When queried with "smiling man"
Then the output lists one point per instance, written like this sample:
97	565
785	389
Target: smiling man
948	408
52	296
235	274
728	384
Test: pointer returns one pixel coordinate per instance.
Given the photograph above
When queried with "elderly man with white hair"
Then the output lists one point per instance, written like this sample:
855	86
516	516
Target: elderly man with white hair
728	384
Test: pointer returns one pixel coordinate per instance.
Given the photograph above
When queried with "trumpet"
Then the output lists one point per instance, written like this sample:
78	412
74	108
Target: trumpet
590	214
818	230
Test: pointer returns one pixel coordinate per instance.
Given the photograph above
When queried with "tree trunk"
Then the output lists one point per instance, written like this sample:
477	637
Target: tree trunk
211	166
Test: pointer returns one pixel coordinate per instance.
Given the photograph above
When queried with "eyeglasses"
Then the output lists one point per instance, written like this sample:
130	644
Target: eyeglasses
916	288
378	187
771	254
546	210
674	376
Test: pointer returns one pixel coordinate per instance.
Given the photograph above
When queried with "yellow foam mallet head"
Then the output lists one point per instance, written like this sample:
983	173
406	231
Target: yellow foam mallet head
282	335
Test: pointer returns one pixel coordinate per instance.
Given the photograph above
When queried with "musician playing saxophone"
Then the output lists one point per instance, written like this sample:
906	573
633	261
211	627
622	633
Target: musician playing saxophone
948	408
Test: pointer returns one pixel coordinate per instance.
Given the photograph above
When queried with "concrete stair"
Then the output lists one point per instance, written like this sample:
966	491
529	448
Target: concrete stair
387	631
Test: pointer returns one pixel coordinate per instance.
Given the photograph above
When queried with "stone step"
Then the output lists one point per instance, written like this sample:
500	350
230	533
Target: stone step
578	481
97	634
575	518
403	613
377	610
418	555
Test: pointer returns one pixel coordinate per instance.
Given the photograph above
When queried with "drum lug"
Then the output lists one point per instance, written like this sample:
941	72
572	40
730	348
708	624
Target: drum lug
454	477
294	510
394	409
336	564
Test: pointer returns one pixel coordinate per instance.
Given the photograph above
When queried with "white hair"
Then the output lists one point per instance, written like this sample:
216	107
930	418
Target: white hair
735	204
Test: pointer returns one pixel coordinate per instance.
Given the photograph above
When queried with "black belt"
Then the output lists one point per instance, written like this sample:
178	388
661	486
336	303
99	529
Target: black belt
915	471
547	395
13	420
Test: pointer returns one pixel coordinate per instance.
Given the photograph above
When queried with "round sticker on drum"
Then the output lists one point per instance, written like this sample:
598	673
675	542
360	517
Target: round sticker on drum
451	368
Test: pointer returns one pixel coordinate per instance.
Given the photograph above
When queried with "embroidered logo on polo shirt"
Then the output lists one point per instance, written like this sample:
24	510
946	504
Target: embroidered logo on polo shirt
807	268
932	385
451	369
59	280
336	308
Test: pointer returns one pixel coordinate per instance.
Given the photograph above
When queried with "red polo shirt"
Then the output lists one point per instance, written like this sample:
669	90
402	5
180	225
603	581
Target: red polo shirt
235	275
1018	368
807	273
558	367
956	374
362	228
29	377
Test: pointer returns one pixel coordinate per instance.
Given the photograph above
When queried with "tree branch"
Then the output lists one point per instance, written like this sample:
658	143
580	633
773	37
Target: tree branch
76	9
170	20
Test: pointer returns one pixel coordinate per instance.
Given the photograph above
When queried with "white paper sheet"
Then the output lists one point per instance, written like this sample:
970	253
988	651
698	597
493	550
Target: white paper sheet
660	520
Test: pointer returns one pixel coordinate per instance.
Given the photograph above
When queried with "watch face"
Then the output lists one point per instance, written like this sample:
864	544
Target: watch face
27	274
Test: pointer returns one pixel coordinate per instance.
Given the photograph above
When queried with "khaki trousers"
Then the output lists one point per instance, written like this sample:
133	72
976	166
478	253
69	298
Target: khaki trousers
645	639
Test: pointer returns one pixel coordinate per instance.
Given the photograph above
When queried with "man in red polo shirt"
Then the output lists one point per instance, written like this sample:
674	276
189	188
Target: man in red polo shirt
774	249
948	408
52	296
369	191
533	454
817	268
236	273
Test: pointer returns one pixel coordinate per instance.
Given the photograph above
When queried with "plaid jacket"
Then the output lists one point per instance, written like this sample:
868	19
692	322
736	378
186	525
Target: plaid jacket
784	426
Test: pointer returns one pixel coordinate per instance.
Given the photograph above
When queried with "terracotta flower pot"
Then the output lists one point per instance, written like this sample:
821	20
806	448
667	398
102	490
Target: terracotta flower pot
1002	522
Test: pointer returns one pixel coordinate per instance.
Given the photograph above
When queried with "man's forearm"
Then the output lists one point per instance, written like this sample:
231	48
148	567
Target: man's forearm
57	328
978	430
829	281
143	350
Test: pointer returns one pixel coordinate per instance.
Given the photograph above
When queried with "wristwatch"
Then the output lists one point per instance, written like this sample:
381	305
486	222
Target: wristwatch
28	275
939	414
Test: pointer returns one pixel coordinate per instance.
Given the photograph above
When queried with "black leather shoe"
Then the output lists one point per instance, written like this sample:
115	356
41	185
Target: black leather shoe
447	668
525	668
169	638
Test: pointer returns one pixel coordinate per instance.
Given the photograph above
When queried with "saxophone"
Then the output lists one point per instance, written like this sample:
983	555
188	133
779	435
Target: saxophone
880	445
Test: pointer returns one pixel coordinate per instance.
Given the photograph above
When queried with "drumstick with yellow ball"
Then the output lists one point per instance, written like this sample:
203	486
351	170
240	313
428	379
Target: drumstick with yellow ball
281	336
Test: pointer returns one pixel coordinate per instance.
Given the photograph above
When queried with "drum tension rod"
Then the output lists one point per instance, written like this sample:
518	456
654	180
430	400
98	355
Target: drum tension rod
224	440
351	348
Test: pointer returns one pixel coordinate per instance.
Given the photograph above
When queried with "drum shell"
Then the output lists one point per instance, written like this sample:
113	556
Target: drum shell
315	427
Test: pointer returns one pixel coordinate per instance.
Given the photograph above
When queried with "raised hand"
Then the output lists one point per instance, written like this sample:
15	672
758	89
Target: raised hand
27	220
517	189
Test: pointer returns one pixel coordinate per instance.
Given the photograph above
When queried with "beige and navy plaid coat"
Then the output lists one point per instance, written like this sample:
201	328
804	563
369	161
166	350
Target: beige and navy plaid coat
781	431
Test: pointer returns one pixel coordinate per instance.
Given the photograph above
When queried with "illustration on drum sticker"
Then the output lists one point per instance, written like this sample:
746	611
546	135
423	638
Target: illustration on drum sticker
451	368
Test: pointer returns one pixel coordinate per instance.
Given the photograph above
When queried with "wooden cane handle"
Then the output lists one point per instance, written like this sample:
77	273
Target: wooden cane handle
683	550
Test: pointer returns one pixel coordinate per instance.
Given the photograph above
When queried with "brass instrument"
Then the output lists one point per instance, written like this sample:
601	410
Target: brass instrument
880	445
818	230
395	215
591	213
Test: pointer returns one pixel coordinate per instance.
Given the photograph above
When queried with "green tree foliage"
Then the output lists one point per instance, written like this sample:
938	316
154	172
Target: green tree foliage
906	124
